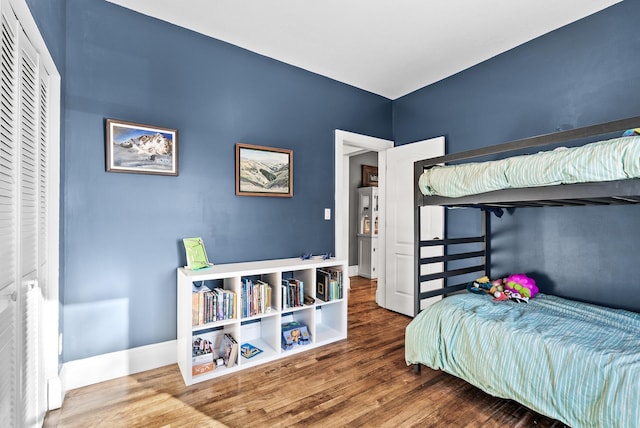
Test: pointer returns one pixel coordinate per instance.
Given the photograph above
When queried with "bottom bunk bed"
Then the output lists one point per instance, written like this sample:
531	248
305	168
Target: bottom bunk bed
574	362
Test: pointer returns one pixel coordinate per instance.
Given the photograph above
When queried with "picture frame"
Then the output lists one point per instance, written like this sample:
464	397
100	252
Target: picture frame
369	176
263	171
140	149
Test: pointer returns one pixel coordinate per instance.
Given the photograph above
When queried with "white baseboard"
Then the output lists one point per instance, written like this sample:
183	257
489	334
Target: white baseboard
79	373
54	393
353	270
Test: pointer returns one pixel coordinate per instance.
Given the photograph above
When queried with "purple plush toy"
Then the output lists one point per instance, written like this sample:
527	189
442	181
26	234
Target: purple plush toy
522	284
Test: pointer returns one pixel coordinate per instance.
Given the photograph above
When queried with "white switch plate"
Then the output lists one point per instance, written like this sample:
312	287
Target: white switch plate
327	213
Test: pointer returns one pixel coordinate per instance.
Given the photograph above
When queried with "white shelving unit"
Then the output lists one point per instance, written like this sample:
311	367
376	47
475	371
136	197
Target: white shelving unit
326	321
368	232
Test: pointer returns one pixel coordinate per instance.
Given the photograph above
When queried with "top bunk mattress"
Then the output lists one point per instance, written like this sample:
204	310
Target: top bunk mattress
608	160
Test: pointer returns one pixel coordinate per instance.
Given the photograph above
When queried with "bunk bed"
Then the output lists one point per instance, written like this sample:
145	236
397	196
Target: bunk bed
575	362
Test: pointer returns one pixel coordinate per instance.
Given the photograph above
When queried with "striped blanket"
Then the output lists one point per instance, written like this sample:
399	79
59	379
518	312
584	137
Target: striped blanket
615	159
571	361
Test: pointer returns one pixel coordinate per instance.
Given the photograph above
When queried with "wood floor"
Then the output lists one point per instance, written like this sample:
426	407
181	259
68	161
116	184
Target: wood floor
360	382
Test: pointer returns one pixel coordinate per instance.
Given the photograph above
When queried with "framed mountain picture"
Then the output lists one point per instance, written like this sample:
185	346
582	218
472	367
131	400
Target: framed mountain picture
141	149
263	171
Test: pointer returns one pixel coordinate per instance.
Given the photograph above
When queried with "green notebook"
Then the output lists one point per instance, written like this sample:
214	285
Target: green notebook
196	254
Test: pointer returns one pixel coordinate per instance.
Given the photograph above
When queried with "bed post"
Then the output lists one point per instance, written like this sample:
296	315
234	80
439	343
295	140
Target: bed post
417	202
486	243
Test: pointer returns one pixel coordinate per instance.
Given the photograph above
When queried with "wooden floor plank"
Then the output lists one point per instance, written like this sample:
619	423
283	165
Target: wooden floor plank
359	382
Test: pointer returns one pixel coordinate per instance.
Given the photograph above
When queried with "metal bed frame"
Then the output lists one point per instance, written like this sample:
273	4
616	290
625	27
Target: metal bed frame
601	193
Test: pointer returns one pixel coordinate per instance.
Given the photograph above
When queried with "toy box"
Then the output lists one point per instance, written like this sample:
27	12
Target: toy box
202	364
202	356
294	334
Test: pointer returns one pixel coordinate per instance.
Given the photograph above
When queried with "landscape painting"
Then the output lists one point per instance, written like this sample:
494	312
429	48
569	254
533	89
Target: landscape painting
263	171
141	149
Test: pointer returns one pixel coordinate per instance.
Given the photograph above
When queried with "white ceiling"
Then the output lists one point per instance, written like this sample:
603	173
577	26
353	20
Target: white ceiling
388	47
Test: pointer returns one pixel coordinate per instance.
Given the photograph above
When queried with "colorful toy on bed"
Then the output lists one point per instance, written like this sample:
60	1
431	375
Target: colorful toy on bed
514	296
521	284
485	285
479	286
518	288
631	132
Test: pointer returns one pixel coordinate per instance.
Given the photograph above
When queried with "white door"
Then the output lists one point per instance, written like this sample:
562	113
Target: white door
24	229
8	222
399	247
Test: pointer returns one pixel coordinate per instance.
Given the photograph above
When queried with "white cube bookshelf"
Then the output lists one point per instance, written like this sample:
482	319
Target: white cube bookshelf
326	321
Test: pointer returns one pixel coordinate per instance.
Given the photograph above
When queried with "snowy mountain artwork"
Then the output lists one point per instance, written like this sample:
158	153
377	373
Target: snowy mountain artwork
263	171
141	149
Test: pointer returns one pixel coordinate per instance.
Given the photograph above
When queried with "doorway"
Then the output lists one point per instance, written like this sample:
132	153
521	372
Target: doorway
348	144
395	233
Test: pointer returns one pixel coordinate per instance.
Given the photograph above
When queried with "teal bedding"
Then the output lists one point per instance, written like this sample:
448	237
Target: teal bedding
615	159
574	362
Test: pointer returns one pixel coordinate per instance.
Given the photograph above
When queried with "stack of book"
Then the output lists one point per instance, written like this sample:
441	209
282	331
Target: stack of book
329	283
292	293
256	297
210	305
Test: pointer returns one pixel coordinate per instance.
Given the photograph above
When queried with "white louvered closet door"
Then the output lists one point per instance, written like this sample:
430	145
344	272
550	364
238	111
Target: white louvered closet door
23	221
8	223
30	294
41	404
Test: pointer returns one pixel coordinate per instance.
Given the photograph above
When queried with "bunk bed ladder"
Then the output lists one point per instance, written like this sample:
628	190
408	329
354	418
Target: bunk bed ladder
462	260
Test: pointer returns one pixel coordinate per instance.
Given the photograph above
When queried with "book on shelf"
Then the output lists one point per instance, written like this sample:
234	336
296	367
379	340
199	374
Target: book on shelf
197	303
211	305
256	297
229	350
247	350
323	278
294	333
196	254
329	282
292	293
335	283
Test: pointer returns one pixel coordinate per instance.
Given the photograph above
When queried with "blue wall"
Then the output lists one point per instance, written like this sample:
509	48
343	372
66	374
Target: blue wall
122	232
581	74
50	16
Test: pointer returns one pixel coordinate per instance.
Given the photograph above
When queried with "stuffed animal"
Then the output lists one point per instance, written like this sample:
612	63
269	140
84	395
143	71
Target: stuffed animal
631	132
500	296
497	286
485	285
521	284
479	286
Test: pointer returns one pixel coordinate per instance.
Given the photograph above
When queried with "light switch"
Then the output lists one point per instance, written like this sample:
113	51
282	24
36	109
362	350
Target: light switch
327	213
